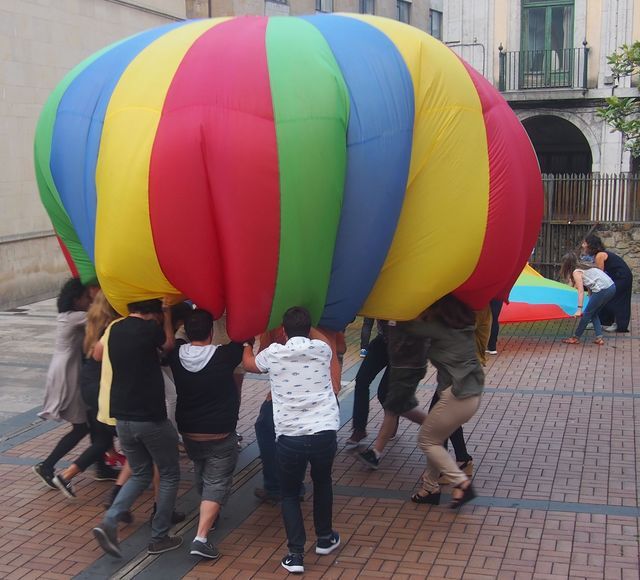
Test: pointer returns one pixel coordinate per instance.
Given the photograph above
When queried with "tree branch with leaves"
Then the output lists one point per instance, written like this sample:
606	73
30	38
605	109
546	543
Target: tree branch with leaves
623	113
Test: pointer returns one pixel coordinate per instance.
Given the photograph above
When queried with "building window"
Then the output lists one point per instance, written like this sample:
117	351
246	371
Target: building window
404	11
547	37
435	24
324	5
367	6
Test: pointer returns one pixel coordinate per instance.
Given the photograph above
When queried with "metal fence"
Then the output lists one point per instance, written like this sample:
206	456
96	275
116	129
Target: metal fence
592	197
554	241
543	69
574	205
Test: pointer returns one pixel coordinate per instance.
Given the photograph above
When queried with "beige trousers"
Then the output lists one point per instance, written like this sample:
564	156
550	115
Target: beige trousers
445	417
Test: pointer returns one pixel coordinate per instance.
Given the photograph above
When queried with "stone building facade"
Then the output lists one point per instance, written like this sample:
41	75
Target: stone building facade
549	59
415	12
39	43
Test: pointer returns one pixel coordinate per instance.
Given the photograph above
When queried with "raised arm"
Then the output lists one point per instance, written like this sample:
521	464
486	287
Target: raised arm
249	359
167	326
315	334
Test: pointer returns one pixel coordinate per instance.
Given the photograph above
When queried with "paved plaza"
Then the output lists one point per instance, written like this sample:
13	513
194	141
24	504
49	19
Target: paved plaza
556	448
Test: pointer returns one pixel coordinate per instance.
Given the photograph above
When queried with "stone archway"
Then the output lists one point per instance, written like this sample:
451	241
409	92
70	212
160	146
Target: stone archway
560	145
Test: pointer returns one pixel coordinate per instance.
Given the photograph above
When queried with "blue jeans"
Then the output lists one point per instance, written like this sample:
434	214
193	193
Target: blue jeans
294	453
375	361
597	300
145	443
266	438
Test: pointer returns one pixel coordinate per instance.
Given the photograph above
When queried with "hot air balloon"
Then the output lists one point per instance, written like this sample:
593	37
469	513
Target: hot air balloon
346	163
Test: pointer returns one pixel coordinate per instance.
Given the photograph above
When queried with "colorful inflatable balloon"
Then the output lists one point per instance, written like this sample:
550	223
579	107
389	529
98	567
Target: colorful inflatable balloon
535	298
346	163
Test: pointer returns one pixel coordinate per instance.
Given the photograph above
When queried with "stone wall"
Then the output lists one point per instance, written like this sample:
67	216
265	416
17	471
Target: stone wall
35	270
624	240
40	41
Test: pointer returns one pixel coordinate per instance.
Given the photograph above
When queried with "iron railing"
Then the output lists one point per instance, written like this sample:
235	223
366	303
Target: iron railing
543	69
593	197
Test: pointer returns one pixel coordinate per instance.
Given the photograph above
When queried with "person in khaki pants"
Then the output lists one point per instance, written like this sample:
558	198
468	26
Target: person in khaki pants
449	326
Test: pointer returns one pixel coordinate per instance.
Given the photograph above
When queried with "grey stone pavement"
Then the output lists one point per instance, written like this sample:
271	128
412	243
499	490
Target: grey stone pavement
556	447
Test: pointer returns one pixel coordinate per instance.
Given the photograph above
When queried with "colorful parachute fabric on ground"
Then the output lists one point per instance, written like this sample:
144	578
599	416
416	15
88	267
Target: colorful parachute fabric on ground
345	163
535	298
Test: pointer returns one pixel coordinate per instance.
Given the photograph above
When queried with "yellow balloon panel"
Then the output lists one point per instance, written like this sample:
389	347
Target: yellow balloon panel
444	216
126	258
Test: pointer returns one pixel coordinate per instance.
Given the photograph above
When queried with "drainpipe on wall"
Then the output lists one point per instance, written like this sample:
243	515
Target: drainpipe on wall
456	43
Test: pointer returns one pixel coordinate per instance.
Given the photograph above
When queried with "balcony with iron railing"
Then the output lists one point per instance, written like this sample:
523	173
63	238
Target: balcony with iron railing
543	69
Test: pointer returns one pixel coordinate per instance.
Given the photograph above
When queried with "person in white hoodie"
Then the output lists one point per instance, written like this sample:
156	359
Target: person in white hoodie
207	414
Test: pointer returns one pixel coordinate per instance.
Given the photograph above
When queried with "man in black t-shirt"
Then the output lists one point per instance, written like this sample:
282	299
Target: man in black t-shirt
136	402
207	414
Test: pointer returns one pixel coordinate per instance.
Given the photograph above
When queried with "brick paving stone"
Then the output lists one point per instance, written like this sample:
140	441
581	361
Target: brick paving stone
536	437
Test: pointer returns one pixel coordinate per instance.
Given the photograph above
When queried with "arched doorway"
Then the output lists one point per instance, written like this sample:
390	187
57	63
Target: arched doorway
559	144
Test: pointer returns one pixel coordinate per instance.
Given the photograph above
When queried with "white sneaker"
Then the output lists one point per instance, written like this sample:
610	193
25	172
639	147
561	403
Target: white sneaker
611	328
494	352
589	326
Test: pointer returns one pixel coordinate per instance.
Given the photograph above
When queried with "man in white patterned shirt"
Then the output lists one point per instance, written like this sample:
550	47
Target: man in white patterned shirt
306	418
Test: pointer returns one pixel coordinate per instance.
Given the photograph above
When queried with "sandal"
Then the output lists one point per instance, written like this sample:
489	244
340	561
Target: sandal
468	493
572	340
429	497
599	341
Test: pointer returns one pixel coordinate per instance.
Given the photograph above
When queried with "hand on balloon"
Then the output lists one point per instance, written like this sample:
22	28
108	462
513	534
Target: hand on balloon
166	303
250	341
578	313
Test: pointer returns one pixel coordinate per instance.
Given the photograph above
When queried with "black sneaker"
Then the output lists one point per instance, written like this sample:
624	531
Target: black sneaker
167	544
294	563
207	550
108	540
105	473
44	475
325	546
64	486
369	458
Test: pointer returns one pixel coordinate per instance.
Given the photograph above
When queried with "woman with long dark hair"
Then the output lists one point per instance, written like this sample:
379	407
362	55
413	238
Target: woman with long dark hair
63	400
616	314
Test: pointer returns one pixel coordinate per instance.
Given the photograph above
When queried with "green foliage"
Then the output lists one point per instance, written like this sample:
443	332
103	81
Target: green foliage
623	113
